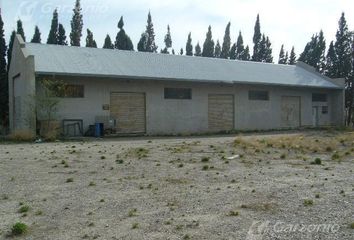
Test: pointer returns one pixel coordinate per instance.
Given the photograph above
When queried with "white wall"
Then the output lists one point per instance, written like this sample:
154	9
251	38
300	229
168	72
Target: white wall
165	116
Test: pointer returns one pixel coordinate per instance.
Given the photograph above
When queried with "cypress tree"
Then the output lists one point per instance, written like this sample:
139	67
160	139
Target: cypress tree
189	46
314	52
108	43
282	59
173	52
233	52
268	58
20	30
9	51
343	49
147	40
62	35
76	25
198	50
225	52
36	36
168	41
246	55
123	41
286	57
331	61
54	29
240	49
181	51
292	57
344	62
257	38
208	46
217	52
142	44
4	92
90	42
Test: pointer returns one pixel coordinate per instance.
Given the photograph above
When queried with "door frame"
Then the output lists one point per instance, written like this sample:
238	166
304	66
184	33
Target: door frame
300	107
233	108
145	109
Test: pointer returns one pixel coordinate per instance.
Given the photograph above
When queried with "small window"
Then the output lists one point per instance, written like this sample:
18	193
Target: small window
319	97
178	93
324	110
73	91
258	95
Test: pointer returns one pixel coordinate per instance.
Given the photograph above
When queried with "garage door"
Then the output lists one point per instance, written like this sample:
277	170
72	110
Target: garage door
129	111
290	112
220	112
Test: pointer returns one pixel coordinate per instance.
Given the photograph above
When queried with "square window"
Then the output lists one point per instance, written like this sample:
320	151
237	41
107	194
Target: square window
258	95
324	110
178	93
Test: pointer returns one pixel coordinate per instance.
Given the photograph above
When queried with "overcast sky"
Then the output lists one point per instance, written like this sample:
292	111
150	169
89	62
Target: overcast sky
288	22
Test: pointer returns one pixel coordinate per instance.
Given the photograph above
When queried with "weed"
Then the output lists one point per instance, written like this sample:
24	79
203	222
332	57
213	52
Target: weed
233	213
205	168
205	159
335	156
351	225
24	209
283	156
186	237
317	161
119	161
69	180
39	213
135	225
132	212
103	157
308	202
317	195
91	184
180	165
19	228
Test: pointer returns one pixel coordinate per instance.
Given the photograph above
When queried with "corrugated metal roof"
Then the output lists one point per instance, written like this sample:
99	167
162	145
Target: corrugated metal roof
54	59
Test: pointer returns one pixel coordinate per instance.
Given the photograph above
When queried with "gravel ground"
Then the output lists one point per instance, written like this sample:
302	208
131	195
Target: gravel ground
181	188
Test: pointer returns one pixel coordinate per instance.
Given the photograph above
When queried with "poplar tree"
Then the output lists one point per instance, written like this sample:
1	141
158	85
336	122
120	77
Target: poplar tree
189	46
246	55
54	29
108	43
61	35
217	52
314	52
168	41
292	57
198	50
76	25
20	30
90	42
123	41
9	51
282	59
4	92
208	46
147	40
36	36
225	51
142	44
240	49
181	51
233	52
257	38
331	61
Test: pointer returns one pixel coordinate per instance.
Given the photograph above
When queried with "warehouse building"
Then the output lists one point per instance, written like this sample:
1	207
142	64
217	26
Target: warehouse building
144	93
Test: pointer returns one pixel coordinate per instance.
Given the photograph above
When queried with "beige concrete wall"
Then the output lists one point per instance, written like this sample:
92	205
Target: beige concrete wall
166	116
21	88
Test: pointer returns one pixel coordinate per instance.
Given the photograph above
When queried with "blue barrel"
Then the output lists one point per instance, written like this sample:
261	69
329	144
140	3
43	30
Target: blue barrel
98	129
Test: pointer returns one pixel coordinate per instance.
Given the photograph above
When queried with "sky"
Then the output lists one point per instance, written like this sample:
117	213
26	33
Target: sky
288	22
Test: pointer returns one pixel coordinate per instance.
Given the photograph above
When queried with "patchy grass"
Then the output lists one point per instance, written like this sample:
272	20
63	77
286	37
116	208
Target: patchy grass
19	228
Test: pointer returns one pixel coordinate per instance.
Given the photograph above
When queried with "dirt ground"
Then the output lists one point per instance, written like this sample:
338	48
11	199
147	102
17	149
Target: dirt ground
224	187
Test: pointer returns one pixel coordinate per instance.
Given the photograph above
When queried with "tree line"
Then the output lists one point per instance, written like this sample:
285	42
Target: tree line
337	62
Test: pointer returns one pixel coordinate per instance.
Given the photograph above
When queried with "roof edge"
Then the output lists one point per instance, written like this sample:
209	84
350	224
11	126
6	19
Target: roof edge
337	81
180	80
